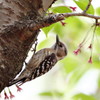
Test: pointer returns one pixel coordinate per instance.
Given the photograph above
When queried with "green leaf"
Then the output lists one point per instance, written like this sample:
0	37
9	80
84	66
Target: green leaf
68	65
82	96
46	43
55	93
77	74
58	29
46	94
46	30
82	4
99	81
96	61
74	28
98	11
98	30
60	9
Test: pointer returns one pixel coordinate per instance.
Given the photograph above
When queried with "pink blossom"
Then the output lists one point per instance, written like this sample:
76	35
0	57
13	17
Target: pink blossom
11	95
63	23
90	46
18	88
73	8
90	60
6	96
76	52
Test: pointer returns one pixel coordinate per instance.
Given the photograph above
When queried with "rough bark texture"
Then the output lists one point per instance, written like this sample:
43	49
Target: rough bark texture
15	38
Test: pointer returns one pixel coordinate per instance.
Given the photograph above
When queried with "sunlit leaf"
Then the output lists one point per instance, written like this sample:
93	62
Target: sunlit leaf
82	96
98	11
54	93
76	75
60	9
46	43
59	29
73	26
98	30
82	4
46	94
96	61
68	65
46	30
99	81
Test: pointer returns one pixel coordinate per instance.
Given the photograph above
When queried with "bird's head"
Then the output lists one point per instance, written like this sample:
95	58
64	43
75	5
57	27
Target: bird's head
60	49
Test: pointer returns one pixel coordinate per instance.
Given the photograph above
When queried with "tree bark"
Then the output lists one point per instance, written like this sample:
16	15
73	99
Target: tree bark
16	36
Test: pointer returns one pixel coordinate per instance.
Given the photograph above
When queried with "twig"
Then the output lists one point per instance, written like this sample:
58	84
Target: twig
87	6
92	40
97	24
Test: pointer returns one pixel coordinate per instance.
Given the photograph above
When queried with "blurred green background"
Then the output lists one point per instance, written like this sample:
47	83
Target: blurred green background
73	77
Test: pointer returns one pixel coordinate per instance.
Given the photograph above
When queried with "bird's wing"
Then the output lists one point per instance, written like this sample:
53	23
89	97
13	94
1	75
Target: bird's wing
39	57
45	66
36	59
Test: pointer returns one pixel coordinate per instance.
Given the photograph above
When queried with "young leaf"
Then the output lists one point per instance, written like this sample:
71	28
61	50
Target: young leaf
82	4
98	31
55	93
98	11
82	96
60	9
99	81
46	30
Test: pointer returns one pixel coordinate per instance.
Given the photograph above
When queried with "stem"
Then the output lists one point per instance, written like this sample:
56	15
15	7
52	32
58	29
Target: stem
96	21
88	6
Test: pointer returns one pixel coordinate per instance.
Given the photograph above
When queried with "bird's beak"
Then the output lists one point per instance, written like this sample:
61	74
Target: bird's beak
57	39
57	42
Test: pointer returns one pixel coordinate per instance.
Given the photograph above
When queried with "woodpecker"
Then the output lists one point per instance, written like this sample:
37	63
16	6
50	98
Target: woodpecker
41	62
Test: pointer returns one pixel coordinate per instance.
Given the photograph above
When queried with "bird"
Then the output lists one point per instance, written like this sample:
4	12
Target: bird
41	62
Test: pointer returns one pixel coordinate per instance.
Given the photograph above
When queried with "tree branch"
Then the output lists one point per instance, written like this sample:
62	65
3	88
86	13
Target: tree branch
48	20
87	6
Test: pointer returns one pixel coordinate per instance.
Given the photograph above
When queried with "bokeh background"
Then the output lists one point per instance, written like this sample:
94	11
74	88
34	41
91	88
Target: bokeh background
72	78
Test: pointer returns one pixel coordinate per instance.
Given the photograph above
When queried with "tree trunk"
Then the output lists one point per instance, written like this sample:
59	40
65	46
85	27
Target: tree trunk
16	38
